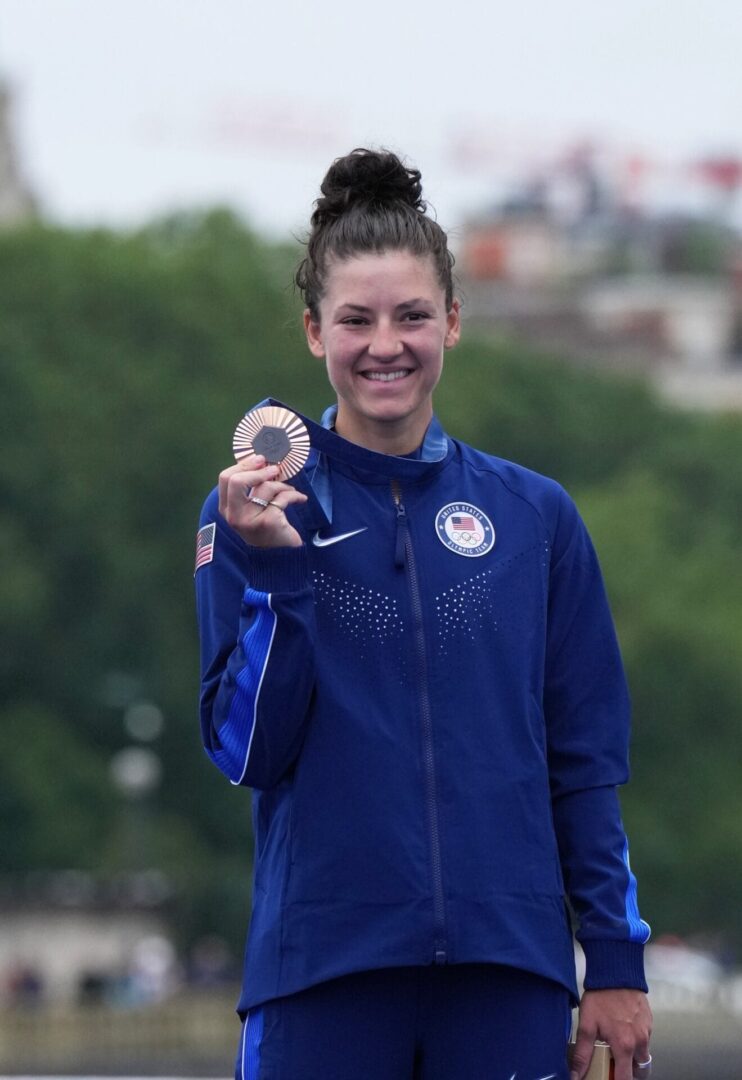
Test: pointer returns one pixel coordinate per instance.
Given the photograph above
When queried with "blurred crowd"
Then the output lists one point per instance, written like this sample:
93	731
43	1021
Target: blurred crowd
152	974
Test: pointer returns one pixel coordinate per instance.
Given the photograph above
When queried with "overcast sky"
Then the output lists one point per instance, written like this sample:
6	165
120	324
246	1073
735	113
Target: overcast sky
127	108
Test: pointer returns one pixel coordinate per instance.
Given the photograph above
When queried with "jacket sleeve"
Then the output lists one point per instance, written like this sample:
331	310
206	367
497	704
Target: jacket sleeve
587	713
257	632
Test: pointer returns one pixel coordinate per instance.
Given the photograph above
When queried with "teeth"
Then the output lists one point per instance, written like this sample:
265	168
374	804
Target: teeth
385	376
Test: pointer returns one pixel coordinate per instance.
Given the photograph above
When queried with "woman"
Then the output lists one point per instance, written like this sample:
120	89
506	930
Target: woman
407	653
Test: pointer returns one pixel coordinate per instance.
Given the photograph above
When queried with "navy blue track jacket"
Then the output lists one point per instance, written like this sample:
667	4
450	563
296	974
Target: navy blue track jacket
428	700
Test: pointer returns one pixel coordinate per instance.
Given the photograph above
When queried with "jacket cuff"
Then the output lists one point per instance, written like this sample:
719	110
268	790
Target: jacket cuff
610	964
278	569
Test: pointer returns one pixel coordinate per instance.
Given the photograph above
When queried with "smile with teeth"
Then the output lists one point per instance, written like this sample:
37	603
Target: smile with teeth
385	376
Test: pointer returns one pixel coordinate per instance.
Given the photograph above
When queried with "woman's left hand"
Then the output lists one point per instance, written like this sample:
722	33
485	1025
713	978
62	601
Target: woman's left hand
623	1019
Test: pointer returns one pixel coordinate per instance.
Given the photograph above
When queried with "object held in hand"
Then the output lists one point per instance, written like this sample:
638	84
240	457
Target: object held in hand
601	1065
278	434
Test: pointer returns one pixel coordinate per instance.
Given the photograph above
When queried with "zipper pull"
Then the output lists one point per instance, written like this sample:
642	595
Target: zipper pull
400	547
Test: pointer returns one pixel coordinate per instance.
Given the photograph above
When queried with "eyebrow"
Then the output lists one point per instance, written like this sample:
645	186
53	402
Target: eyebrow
418	301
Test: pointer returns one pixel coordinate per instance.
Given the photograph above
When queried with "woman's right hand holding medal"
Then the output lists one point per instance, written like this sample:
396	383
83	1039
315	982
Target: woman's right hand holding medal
253	501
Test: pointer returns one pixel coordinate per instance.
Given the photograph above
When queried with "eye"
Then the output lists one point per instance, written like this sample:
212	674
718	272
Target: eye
353	320
416	316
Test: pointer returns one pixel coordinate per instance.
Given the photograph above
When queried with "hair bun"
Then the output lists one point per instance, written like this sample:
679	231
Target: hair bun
369	177
371	203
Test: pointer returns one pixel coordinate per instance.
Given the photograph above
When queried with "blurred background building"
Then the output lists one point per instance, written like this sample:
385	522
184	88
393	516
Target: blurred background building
577	261
16	202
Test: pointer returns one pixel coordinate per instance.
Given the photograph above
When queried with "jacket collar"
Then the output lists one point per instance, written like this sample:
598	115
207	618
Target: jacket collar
433	448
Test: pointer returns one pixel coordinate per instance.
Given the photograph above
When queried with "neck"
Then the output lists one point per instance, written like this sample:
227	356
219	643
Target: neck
386	438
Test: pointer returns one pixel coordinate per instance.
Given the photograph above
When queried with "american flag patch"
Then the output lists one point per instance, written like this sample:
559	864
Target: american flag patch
464	521
205	545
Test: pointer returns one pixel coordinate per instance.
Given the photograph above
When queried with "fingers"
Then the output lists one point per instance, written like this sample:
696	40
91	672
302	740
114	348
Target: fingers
627	1065
630	1039
260	497
582	1054
642	1067
252	500
639	1066
623	1056
284	497
248	473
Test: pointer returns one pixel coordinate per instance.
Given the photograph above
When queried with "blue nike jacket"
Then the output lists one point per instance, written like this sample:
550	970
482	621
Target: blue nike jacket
428	700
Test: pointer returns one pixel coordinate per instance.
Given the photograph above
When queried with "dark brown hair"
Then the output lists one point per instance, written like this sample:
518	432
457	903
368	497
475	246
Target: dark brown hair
370	202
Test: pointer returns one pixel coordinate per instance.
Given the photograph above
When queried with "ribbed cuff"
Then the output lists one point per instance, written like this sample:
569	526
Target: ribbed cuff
278	569
614	964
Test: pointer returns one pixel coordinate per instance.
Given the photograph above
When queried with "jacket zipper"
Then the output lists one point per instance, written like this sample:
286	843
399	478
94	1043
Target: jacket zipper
404	557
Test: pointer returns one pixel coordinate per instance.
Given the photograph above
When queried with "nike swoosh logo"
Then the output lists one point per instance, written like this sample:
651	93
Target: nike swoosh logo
319	541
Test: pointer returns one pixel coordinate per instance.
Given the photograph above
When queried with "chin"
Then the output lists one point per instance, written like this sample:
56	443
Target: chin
390	416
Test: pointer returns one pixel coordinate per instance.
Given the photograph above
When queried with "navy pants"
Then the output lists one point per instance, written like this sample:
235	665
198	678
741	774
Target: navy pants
457	1022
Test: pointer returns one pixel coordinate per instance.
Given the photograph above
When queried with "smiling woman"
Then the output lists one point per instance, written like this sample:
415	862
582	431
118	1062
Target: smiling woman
409	657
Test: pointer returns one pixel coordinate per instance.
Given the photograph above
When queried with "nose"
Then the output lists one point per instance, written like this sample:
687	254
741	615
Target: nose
385	343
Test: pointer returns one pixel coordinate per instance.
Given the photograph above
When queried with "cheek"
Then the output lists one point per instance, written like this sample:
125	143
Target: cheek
435	374
434	365
339	355
337	370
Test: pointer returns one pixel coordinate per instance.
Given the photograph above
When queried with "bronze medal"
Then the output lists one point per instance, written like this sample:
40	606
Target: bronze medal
276	433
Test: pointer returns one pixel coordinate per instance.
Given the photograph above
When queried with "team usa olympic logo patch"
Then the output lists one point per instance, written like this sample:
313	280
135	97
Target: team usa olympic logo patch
464	529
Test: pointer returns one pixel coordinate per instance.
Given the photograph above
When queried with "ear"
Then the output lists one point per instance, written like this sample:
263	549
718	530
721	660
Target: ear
453	325
313	331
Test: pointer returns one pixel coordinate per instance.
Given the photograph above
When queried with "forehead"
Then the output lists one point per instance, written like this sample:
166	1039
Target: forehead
393	276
